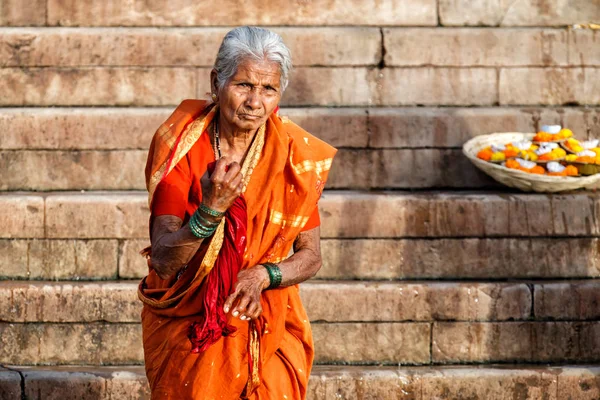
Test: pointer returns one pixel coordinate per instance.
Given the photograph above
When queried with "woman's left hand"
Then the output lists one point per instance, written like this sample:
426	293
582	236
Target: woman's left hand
245	298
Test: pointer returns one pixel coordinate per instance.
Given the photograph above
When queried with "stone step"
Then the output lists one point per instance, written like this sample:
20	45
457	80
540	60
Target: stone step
356	343
373	128
344	214
353	169
310	46
374	259
145	47
325	301
520	13
347	86
412	323
329	382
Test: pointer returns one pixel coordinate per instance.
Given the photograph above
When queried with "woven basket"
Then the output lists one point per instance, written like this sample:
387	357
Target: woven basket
519	179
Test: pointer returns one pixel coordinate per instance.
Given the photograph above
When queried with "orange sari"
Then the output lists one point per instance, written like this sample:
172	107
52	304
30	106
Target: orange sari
285	169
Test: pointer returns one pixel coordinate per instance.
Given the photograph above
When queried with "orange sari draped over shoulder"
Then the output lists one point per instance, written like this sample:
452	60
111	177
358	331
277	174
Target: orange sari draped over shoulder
285	171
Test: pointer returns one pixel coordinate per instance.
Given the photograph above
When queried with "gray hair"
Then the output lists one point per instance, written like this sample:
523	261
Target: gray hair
254	43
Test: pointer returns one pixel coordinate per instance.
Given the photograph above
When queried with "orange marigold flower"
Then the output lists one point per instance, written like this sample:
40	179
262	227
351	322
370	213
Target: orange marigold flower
511	152
571	170
485	154
513	164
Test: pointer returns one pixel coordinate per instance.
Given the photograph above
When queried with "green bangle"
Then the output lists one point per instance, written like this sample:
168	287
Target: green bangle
274	275
200	230
210	211
206	222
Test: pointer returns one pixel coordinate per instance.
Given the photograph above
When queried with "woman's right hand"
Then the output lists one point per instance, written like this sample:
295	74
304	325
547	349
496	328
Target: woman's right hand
220	189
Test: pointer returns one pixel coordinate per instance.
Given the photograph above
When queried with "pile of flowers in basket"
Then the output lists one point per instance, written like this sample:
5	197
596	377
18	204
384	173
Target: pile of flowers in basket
553	151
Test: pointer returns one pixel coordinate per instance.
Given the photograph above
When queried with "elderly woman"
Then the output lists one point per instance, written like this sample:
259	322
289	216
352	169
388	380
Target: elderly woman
232	188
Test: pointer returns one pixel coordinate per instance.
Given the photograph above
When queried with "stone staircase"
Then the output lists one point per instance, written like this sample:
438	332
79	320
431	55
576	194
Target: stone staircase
437	283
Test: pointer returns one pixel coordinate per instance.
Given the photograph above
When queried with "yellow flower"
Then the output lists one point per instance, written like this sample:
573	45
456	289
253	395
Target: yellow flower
571	157
559	153
565	133
498	156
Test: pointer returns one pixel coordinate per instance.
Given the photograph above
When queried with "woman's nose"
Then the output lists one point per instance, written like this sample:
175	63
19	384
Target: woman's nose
253	99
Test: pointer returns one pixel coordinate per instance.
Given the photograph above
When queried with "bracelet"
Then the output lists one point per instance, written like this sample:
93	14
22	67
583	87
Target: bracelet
274	275
205	221
200	230
210	211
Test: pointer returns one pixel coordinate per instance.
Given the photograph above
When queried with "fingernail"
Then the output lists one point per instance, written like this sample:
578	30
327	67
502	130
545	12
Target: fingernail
226	309
243	318
235	313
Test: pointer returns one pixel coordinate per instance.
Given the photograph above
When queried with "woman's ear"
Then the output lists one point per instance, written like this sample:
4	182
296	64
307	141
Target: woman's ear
213	82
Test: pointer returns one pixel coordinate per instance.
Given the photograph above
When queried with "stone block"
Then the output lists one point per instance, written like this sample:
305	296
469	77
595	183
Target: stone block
434	86
572	300
405	169
459	258
441	127
435	215
131	264
584	47
517	13
60	344
464	47
406	343
460	342
396	302
329	87
21	215
71	383
69	302
579	382
79	128
14	258
485	342
364	383
72	259
10	384
232	13
96	86
549	86
73	170
566	342
88	216
17	13
343	127
489	383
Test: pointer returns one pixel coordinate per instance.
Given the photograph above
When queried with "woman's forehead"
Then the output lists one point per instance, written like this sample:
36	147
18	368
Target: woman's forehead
255	70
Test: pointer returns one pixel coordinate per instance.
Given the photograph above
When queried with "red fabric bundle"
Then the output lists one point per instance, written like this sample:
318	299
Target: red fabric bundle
221	280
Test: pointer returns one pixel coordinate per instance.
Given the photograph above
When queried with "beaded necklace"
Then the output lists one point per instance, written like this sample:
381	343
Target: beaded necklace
217	141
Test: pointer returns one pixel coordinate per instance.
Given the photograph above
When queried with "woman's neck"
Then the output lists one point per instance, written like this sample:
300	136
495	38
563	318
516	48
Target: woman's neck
234	141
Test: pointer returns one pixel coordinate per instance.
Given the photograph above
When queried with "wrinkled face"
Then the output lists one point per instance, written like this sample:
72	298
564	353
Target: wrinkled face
251	95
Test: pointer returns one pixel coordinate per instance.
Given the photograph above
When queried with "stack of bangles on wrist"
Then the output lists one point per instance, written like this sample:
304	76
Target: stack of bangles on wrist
200	226
274	275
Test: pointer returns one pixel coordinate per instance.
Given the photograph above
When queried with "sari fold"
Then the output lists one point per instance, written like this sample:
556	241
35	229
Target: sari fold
285	172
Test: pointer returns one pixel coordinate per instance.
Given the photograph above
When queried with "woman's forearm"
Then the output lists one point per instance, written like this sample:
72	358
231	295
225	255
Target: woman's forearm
305	262
173	245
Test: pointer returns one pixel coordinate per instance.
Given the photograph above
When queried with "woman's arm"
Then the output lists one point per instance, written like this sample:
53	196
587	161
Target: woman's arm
302	265
174	245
